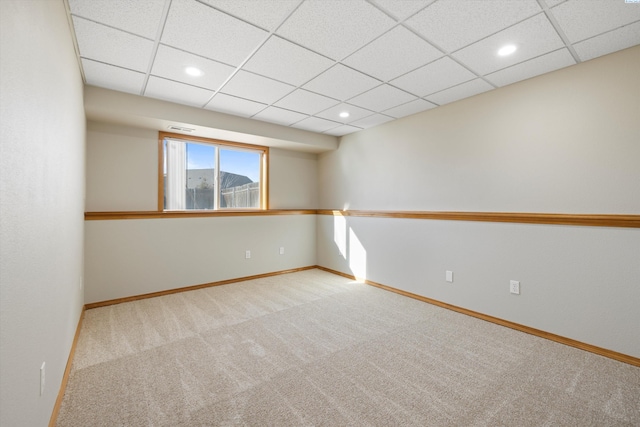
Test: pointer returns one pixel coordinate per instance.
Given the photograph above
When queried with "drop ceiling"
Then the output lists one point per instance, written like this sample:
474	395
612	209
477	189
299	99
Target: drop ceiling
301	63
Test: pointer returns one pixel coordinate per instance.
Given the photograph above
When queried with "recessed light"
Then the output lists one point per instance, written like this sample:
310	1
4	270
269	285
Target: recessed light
193	71
344	114
507	50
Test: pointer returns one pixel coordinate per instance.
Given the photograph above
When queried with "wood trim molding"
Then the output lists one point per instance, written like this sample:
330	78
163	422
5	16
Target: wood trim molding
93	216
631	360
591	220
585	220
193	288
67	371
264	175
160	173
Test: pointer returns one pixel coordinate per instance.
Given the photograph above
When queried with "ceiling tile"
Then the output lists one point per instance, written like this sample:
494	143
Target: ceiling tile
402	9
390	51
110	77
371	121
355	113
452	25
382	98
341	83
279	116
177	92
200	29
533	37
305	102
265	14
342	130
112	46
257	88
234	105
393	54
583	19
434	77
287	62
409	108
615	40
540	65
335	28
315	124
463	90
141	17
170	64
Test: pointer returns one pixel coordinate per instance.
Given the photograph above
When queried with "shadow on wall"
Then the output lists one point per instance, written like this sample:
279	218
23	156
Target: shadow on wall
350	247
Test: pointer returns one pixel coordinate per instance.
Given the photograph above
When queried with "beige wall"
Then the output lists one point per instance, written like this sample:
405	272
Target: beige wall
293	180
567	141
563	142
122	168
122	171
41	211
125	258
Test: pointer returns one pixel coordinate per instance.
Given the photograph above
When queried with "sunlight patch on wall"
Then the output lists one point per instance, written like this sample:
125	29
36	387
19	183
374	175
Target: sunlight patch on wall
340	234
357	257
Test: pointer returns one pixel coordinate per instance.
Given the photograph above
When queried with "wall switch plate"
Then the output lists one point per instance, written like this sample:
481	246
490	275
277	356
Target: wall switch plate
247	254
281	250
449	276
514	287
42	378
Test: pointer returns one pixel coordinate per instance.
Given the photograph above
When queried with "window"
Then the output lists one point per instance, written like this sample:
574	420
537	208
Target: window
205	174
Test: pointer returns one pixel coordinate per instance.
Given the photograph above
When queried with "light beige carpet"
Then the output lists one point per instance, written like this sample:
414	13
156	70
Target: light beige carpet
315	349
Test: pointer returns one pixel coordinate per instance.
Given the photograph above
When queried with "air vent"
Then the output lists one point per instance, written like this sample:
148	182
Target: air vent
180	128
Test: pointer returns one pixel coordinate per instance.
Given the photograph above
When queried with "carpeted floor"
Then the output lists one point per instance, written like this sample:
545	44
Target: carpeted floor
315	349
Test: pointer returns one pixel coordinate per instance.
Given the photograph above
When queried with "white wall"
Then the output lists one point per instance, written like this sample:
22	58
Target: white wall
41	209
134	257
567	142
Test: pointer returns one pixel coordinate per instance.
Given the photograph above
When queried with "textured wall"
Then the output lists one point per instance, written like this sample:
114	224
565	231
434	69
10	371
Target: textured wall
41	211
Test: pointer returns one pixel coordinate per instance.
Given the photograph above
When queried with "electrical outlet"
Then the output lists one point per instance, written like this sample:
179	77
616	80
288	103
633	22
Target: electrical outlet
42	378
247	254
449	276
281	250
514	287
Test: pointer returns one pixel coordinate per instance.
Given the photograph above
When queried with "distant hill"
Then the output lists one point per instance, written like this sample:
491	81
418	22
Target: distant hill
204	178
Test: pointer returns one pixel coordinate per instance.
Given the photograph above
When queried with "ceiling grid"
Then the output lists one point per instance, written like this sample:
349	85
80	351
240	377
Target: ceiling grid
309	63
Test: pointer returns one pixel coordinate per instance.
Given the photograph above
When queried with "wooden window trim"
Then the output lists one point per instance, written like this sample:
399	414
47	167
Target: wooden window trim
264	168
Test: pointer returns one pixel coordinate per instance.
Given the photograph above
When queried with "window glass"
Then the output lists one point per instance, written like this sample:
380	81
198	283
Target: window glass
239	179
203	176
